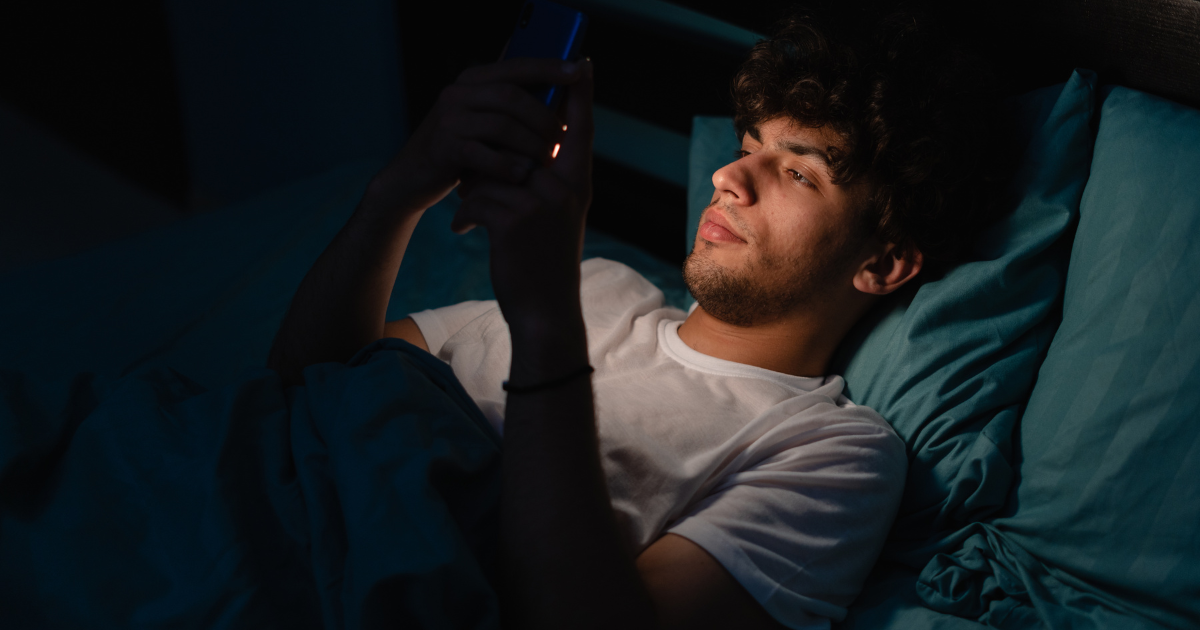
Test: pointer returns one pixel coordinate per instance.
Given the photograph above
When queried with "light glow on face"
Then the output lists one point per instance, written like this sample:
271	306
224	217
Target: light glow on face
796	233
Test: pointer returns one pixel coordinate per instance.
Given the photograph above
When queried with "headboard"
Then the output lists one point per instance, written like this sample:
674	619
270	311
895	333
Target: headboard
1149	45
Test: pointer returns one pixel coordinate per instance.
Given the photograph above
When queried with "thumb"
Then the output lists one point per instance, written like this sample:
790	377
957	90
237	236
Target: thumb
466	217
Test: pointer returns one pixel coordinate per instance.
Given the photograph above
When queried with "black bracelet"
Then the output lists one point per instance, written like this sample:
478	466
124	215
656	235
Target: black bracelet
551	384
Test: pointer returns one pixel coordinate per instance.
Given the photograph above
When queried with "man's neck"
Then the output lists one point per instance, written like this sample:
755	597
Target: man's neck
801	345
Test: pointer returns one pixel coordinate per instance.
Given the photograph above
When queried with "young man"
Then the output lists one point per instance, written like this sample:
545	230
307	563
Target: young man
709	474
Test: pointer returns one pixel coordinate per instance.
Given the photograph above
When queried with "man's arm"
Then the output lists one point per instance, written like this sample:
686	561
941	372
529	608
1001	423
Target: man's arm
407	330
341	304
692	590
484	126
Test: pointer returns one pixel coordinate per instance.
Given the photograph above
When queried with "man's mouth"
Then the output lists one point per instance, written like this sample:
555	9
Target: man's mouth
716	228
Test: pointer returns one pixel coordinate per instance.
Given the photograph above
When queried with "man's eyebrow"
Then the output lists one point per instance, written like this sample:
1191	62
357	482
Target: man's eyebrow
808	149
753	131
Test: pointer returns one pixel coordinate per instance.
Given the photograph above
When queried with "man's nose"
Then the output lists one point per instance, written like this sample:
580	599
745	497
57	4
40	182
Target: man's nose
734	183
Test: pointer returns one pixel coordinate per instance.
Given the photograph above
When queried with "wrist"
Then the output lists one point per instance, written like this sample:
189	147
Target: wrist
406	187
546	323
379	233
547	346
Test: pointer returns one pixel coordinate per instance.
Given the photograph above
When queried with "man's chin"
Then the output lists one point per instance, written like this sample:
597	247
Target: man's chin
735	295
722	293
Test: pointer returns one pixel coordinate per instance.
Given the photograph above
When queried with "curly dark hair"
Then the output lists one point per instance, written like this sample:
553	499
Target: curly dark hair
917	119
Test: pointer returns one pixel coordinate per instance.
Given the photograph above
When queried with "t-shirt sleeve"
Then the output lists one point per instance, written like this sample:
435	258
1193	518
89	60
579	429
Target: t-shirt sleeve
801	529
609	291
439	324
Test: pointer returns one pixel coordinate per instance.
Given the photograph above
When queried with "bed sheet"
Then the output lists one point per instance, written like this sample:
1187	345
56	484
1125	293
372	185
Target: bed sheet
159	503
889	600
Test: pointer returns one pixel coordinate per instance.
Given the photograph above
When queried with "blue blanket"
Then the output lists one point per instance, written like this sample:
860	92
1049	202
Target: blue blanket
365	498
133	496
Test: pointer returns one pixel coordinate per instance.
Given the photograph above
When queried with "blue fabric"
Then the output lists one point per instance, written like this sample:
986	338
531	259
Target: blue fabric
203	296
952	363
366	498
1102	530
153	474
889	600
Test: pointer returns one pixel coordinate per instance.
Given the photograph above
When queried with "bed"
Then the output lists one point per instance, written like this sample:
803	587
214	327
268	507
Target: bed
1047	389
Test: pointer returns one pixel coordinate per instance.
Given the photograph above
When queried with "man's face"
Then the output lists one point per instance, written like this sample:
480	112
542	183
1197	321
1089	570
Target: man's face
778	232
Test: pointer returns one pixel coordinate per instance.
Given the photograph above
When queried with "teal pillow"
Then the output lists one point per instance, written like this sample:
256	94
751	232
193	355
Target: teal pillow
950	363
1104	529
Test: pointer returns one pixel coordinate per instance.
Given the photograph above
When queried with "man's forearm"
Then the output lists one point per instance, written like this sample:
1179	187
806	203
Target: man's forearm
566	562
342	302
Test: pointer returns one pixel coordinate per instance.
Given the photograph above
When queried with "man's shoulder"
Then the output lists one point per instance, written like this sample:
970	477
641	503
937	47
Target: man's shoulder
826	409
596	272
607	284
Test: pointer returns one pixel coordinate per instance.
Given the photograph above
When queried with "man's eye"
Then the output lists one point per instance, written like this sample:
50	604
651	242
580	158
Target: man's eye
739	154
802	179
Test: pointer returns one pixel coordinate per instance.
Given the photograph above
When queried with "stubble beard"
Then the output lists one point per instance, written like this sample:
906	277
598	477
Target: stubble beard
768	289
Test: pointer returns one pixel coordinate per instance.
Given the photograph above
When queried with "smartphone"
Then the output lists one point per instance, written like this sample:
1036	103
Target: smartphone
547	30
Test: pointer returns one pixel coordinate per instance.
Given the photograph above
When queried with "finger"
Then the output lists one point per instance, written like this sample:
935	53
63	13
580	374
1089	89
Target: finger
466	184
489	163
503	133
574	161
509	100
471	183
514	198
460	225
523	71
473	205
491	205
513	203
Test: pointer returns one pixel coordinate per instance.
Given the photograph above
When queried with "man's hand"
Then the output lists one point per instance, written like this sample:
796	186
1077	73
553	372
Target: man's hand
484	126
535	228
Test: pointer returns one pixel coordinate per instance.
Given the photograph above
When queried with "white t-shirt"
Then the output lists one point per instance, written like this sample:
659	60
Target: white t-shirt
789	485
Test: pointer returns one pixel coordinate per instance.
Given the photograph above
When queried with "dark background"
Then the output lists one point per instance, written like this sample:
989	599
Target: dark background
101	76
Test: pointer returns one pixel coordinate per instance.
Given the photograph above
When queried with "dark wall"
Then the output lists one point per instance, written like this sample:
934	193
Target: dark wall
101	76
638	73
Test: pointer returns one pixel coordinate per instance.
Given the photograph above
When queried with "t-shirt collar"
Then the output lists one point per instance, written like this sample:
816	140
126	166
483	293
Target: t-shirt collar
668	334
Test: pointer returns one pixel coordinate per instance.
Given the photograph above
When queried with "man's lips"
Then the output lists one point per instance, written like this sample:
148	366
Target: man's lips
716	229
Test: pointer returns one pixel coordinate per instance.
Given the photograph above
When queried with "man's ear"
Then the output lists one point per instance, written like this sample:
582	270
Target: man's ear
889	269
